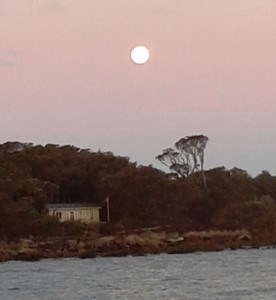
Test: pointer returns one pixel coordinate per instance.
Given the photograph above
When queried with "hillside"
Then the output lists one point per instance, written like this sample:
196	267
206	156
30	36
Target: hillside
33	175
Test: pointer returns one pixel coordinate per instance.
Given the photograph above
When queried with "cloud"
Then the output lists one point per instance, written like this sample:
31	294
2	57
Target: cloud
5	63
8	52
52	6
9	56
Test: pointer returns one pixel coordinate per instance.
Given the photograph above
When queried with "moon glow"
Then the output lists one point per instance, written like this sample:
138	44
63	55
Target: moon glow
140	55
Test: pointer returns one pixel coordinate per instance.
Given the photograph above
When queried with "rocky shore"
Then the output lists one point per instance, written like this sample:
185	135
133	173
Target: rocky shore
122	243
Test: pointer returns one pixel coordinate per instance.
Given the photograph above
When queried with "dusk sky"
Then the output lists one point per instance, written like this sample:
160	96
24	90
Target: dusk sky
66	77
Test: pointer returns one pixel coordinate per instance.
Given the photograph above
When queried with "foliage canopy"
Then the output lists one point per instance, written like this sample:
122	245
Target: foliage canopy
33	175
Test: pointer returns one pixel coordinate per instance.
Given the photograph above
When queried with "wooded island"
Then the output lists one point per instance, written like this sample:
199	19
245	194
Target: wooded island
150	211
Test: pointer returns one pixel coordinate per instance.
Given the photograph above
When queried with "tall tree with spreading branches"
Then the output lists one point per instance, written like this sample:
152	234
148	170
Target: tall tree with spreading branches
186	157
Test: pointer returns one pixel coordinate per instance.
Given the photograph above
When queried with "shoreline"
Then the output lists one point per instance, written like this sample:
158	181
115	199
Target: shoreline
122	244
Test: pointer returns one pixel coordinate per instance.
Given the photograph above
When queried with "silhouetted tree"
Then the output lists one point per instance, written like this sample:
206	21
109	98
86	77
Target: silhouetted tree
187	156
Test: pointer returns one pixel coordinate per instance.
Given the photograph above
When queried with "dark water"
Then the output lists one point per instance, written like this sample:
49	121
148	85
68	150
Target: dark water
242	274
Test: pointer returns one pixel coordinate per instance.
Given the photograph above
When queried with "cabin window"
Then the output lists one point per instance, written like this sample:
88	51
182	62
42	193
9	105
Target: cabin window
71	216
58	214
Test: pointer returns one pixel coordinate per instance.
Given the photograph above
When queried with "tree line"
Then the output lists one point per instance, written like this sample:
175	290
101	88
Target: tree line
139	196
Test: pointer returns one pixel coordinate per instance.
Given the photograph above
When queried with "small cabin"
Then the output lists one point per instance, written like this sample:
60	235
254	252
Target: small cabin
83	212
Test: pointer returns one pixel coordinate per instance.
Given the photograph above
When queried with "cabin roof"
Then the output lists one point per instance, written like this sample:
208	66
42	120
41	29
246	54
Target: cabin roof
72	205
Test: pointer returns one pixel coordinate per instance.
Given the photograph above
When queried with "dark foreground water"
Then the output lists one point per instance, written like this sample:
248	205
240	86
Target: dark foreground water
242	274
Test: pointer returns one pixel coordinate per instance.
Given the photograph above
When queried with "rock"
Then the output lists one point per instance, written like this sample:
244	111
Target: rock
4	257
105	241
72	245
13	253
81	248
25	242
61	252
245	237
81	245
134	240
175	240
3	245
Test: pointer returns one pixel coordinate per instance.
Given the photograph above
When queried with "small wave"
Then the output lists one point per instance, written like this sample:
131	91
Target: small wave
14	288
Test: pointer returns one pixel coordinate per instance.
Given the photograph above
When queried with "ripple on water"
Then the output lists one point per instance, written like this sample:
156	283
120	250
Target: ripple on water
239	274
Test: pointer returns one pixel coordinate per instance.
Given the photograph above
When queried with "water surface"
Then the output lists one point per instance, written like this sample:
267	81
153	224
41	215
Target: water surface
241	274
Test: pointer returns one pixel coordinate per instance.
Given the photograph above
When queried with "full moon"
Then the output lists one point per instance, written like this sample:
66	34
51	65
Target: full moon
140	55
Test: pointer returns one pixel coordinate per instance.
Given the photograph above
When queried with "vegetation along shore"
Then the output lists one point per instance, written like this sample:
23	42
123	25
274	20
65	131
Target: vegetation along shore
149	211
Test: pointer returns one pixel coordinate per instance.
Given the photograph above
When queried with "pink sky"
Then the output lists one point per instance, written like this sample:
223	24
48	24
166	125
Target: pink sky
66	77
